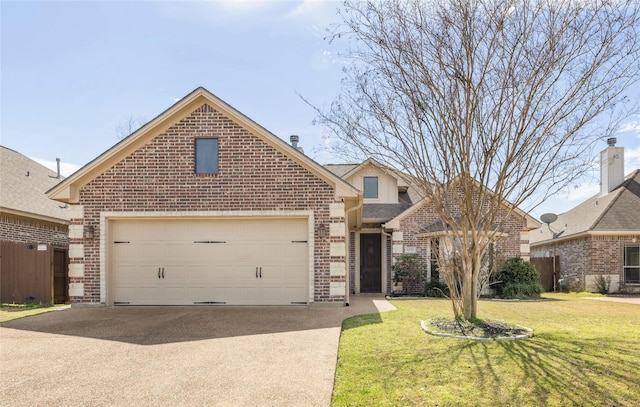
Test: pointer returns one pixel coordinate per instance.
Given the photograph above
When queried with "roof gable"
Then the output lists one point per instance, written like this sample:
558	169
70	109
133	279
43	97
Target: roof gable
24	183
394	223
624	211
68	190
400	177
618	211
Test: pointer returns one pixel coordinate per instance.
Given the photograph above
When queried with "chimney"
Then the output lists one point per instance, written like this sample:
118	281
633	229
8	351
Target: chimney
611	167
294	142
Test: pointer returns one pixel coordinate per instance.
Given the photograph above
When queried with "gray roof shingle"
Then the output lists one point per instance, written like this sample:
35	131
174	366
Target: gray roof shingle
382	212
619	210
23	183
624	211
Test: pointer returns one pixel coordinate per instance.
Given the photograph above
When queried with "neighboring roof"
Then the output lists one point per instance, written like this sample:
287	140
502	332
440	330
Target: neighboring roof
23	184
617	212
68	190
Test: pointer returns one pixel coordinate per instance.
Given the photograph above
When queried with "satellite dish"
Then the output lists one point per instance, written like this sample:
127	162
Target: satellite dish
548	218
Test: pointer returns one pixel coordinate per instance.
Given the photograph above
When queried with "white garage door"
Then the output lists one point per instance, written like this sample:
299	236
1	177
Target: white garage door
225	261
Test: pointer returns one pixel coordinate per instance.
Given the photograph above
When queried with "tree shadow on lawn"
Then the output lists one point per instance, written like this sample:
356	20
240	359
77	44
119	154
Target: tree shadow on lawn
576	371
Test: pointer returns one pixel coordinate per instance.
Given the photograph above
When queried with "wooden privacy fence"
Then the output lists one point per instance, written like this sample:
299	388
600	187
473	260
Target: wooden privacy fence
544	265
33	273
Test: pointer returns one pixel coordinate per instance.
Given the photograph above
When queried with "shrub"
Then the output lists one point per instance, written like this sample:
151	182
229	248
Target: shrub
435	288
522	290
410	269
603	284
519	279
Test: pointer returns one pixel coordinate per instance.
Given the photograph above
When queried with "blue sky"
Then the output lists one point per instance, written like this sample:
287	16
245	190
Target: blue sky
71	72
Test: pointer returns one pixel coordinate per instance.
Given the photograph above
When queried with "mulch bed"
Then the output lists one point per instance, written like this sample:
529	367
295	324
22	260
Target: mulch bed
477	330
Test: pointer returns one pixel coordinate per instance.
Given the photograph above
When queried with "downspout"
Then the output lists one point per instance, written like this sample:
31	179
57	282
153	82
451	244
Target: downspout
389	235
348	252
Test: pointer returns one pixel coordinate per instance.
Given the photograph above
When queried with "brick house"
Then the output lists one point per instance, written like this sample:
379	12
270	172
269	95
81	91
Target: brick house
601	236
394	220
204	206
33	233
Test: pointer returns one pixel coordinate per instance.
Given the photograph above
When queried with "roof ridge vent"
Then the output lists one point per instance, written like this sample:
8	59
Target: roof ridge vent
294	140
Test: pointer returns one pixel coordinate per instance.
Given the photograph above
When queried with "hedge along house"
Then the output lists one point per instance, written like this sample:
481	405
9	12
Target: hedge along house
34	235
204	206
600	238
395	221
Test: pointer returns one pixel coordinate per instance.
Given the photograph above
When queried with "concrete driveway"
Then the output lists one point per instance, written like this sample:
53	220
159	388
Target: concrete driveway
175	356
627	300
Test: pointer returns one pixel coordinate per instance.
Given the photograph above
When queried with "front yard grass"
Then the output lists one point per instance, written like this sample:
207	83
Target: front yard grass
9	312
584	353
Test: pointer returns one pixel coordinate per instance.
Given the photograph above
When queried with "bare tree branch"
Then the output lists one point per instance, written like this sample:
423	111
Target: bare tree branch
128	126
488	104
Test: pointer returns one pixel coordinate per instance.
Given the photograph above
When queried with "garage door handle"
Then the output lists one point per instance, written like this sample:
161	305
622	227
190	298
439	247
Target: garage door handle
256	272
158	272
260	272
163	272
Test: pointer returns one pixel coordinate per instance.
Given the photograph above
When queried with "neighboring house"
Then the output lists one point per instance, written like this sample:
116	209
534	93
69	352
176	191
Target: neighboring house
600	238
394	220
204	206
33	233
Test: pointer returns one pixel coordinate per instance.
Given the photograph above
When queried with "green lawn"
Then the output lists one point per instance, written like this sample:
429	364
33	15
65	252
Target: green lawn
584	353
9	312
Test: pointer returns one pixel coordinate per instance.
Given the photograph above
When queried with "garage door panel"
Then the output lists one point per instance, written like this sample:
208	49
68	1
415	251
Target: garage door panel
210	261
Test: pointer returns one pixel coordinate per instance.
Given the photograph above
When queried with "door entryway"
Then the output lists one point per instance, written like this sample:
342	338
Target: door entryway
370	263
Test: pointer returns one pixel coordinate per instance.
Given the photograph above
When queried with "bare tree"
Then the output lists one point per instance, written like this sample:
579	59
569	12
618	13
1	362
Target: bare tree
489	104
128	126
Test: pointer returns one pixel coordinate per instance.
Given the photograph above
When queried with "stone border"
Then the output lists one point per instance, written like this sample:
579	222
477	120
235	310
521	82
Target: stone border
529	334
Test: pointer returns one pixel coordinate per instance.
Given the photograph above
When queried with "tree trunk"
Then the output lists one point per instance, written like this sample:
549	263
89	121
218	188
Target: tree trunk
469	298
470	290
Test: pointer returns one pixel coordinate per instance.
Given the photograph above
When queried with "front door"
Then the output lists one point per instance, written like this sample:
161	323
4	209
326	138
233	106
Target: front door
370	264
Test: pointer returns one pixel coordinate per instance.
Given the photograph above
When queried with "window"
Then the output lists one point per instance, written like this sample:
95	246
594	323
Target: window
370	187
206	156
632	264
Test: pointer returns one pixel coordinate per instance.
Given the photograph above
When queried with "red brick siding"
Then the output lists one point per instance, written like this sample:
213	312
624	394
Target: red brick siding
607	255
575	262
252	175
506	247
15	229
589	255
